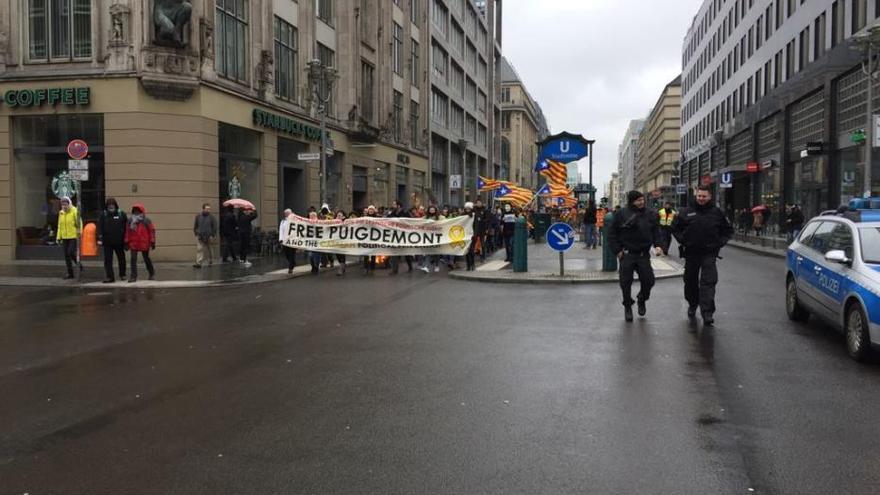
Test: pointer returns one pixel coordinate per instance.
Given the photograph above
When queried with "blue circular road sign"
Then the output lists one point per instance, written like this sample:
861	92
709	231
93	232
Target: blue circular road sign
560	237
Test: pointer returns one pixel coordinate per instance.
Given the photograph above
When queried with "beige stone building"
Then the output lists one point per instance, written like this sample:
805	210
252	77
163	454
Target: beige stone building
660	144
522	125
187	102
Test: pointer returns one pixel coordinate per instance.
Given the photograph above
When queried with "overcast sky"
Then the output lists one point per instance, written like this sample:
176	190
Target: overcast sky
594	65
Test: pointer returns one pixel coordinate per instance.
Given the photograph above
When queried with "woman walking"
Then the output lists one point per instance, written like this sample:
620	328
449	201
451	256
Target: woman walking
140	237
67	233
340	215
289	252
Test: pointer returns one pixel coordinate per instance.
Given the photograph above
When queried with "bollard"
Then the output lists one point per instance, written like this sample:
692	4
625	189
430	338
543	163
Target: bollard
520	246
609	259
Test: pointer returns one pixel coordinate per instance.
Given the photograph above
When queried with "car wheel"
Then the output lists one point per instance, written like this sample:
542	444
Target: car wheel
793	307
858	340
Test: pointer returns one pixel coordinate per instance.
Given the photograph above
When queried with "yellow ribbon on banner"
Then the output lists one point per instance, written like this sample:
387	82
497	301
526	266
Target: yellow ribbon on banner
456	235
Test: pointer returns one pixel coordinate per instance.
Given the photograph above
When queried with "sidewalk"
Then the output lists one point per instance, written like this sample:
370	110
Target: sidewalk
168	275
582	266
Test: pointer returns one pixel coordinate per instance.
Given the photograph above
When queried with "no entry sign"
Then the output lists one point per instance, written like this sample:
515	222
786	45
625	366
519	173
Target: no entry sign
77	149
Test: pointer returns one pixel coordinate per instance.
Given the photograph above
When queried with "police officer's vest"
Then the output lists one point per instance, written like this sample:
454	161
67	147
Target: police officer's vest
666	217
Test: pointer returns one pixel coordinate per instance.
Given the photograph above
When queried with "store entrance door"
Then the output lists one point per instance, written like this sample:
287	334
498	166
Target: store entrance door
294	193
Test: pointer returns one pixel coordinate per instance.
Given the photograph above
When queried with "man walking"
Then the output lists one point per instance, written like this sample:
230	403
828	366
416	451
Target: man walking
205	230
666	217
228	234
590	225
633	231
111	236
702	230
397	211
481	227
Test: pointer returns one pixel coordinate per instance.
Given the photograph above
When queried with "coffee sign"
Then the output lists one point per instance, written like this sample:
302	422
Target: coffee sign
27	98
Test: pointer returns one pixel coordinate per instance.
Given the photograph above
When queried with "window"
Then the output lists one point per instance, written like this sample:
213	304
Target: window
837	23
397	117
414	62
397	49
482	70
440	17
327	58
325	11
456	119
456	79
842	240
870	243
819	37
808	232
456	38
777	69
414	11
367	84
285	60
804	49
481	102
439	104
505	95
414	130
439	61
231	38
505	121
470	92
821	239
471	56
859	14
789	60
59	30
481	136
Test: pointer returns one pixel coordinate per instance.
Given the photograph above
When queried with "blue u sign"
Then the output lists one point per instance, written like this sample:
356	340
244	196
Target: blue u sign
564	147
726	178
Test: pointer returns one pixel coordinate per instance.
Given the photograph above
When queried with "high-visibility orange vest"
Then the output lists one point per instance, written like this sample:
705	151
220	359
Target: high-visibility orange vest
666	217
600	218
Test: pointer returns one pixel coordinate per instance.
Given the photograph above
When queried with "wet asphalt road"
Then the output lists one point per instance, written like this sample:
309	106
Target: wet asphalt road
421	384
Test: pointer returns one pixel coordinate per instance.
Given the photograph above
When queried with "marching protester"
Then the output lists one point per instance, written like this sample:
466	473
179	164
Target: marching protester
314	256
632	234
340	215
370	261
590	221
283	229
245	230
431	261
600	223
228	234
205	230
67	233
111	235
397	211
140	237
481	227
470	257
701	230
508	220
666	216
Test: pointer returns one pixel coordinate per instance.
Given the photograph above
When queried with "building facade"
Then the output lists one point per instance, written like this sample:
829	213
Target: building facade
763	80
660	145
184	103
465	61
522	125
627	158
612	191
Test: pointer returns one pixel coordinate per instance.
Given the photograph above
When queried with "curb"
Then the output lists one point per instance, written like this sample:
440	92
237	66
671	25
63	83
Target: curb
612	278
757	250
47	282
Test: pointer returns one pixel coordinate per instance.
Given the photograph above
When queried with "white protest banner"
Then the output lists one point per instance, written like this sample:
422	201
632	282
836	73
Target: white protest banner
370	236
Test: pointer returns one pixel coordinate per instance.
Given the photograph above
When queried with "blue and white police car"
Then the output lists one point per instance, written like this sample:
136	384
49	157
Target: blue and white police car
833	272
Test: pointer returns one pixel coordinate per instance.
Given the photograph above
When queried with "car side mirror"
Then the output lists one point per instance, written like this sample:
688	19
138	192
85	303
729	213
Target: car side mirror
837	256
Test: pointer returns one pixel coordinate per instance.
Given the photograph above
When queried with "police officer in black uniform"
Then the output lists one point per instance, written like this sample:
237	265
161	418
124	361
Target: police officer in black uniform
701	231
632	234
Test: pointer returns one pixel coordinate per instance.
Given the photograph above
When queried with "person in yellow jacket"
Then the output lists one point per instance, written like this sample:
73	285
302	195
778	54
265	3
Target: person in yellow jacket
69	227
667	216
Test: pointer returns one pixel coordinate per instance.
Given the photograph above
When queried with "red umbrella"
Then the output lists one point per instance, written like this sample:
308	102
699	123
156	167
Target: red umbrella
758	208
239	203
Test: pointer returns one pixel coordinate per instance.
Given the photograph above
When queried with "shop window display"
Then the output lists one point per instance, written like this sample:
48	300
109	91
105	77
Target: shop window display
239	171
41	180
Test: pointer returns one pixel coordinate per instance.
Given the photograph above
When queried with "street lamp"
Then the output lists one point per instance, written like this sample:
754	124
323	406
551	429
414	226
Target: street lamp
868	43
321	79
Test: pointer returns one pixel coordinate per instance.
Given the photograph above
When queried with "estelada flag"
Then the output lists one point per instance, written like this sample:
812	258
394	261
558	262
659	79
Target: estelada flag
566	202
554	190
519	196
484	184
555	172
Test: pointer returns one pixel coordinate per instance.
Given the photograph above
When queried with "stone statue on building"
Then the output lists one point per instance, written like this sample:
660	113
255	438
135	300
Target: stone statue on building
170	17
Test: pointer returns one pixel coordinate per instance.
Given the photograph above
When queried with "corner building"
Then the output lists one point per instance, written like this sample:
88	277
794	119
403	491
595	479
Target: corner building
761	79
215	107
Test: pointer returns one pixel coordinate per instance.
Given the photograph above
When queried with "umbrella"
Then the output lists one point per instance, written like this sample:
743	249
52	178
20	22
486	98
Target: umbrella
239	203
758	208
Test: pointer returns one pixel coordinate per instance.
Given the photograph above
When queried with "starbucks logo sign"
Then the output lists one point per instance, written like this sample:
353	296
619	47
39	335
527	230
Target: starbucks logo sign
62	185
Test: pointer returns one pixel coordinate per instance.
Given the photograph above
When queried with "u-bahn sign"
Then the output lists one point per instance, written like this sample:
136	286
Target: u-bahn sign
564	147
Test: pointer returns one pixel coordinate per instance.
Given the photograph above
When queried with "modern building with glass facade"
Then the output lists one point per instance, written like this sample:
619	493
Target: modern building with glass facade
762	80
465	63
184	103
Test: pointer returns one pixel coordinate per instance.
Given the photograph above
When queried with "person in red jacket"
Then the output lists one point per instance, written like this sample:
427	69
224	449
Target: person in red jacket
140	237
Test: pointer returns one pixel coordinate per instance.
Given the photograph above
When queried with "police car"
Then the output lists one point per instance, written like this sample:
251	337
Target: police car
833	272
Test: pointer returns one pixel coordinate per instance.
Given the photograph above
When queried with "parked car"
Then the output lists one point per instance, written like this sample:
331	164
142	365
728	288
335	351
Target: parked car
833	272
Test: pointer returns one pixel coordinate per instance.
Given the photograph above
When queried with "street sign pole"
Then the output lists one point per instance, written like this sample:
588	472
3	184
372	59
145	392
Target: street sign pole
561	264
560	237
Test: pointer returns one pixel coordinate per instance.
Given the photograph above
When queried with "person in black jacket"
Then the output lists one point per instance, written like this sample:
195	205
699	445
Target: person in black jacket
398	211
228	234
701	230
590	233
794	223
111	235
245	229
481	227
632	234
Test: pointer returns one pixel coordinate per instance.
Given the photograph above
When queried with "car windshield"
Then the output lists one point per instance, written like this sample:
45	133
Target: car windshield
871	244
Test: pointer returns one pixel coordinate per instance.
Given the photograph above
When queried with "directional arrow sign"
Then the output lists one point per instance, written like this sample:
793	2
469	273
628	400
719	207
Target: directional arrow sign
560	237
